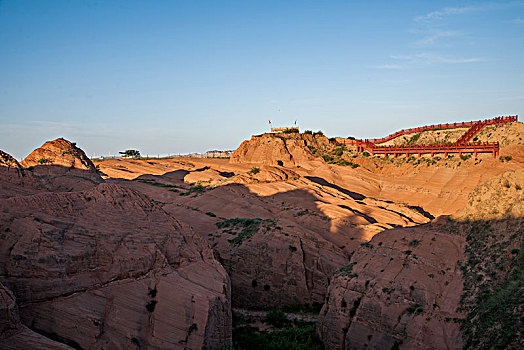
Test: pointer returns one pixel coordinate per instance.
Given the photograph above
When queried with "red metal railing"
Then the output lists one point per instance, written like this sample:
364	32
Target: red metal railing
461	146
498	120
474	147
468	135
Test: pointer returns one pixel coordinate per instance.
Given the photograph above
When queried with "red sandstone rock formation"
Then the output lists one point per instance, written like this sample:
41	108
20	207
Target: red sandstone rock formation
278	149
59	152
406	286
14	335
402	287
272	264
61	166
104	268
83	266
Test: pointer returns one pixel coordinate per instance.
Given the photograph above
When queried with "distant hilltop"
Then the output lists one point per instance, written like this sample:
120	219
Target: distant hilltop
208	154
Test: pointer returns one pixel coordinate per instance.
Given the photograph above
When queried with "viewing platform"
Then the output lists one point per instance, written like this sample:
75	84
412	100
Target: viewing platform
462	145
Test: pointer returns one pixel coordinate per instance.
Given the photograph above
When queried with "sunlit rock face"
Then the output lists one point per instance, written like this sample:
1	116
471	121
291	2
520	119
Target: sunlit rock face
278	149
96	265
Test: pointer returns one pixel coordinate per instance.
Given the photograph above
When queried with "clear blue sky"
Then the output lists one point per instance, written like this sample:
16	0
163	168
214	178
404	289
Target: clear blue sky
183	76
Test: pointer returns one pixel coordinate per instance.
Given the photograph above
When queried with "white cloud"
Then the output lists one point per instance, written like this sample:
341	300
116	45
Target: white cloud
433	36
388	66
430	58
447	11
441	14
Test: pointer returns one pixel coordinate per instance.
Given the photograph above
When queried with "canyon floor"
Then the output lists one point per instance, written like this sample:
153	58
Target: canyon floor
292	242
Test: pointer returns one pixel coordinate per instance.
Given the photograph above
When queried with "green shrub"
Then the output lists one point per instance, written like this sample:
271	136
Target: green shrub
151	305
365	154
308	132
414	243
248	227
338	151
129	153
254	170
277	318
211	214
355	306
300	337
43	161
306	308
198	189
327	158
320	133
416	308
344	270
413	139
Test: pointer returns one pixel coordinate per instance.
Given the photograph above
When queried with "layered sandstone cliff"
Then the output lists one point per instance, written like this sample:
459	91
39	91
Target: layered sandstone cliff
275	266
433	286
278	149
103	268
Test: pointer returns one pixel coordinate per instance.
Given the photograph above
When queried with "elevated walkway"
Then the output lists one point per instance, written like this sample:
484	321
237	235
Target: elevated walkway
462	145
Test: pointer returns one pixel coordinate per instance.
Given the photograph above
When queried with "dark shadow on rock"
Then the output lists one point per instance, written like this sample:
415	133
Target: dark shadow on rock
370	219
399	213
322	182
227	174
177	175
201	169
421	211
45	178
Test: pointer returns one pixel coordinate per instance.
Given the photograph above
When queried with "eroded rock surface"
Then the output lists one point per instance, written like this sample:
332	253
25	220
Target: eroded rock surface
403	287
60	165
106	268
59	152
274	266
278	149
14	335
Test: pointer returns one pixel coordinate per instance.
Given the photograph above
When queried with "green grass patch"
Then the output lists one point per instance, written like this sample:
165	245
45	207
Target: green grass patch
246	226
344	270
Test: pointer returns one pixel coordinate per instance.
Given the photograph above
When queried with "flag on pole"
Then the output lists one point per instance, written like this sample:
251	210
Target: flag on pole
270	121
295	122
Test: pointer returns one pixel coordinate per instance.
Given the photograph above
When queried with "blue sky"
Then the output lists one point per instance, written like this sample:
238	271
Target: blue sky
184	76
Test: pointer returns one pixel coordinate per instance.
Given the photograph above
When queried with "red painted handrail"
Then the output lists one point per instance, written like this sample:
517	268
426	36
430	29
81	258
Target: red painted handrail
497	120
460	146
